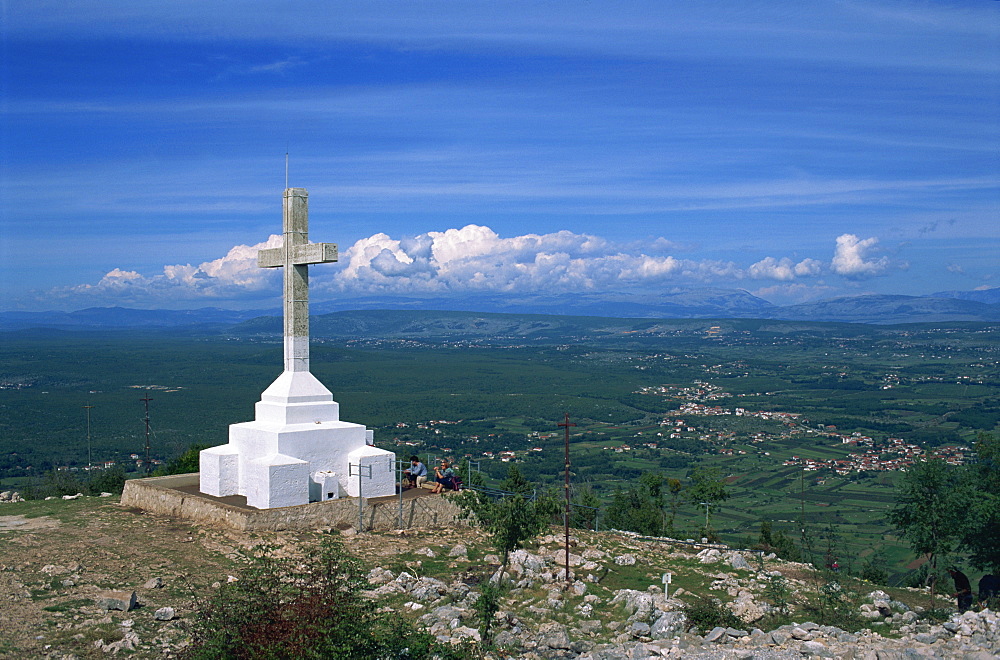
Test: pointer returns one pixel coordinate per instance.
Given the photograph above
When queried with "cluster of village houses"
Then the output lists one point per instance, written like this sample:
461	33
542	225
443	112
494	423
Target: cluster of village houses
505	456
708	411
140	464
896	454
699	391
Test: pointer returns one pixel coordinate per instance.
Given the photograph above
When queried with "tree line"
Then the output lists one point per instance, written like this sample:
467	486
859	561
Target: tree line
951	514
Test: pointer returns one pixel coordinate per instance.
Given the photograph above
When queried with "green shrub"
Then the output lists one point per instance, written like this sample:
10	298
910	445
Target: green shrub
706	613
513	520
107	481
874	570
486	606
281	607
778	593
937	614
834	607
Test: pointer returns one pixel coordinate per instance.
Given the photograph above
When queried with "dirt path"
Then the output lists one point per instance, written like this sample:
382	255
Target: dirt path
56	557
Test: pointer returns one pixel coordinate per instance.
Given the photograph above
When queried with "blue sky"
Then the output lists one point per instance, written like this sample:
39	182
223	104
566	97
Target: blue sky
795	150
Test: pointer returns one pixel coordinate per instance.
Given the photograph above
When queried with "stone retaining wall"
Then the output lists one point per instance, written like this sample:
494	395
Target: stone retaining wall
161	495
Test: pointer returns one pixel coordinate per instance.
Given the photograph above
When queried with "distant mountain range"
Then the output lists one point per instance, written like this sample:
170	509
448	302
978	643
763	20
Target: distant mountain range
982	306
123	317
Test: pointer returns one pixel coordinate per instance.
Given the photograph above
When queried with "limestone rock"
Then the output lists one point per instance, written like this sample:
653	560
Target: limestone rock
522	562
379	575
164	614
54	569
464	632
747	609
737	561
639	604
800	633
639	629
127	643
670	624
554	636
125	601
815	648
709	556
780	636
559	557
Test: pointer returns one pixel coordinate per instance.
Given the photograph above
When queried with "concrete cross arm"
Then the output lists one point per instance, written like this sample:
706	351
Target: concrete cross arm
301	255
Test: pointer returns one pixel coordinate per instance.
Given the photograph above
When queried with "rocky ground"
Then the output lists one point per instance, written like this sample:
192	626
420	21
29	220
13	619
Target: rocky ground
85	578
547	617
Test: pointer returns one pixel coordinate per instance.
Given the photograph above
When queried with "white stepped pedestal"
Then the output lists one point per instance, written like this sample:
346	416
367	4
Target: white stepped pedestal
296	434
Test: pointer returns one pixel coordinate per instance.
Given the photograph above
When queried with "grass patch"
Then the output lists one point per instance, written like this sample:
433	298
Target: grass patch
68	605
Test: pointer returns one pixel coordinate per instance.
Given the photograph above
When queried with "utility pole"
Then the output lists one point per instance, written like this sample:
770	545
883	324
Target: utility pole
802	503
566	424
90	456
149	466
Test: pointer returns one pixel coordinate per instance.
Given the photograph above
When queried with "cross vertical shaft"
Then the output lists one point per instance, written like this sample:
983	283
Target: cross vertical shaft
295	225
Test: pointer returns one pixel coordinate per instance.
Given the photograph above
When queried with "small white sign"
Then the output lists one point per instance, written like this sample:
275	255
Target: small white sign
666	578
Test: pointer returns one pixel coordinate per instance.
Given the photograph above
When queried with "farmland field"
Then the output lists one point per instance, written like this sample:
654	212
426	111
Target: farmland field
749	399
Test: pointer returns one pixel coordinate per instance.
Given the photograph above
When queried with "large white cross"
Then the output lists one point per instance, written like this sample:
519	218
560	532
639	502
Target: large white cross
295	255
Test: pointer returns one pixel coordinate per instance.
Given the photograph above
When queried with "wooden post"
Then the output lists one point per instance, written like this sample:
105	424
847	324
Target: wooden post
566	423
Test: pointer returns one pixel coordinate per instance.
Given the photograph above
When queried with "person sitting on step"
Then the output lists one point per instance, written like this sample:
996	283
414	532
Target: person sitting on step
444	476
416	474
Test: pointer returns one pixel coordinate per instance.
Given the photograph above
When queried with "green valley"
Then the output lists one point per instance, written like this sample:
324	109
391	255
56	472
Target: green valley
808	423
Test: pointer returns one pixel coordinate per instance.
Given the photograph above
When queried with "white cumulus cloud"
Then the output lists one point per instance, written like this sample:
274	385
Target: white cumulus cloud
784	269
476	258
464	260
235	275
852	257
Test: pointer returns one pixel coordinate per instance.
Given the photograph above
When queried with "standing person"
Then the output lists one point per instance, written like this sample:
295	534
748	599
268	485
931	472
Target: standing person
416	473
444	476
963	589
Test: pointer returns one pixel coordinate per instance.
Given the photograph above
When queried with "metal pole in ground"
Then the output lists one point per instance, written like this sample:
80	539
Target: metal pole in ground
361	499
566	423
399	470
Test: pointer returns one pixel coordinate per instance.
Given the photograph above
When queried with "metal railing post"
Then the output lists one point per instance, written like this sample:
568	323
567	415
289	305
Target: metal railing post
361	499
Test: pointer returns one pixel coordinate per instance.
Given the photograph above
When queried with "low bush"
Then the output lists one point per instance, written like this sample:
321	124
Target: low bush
706	613
283	607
